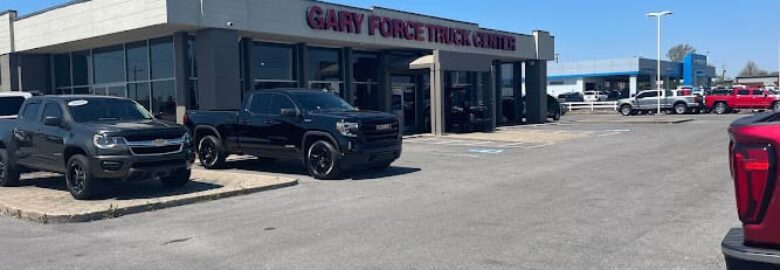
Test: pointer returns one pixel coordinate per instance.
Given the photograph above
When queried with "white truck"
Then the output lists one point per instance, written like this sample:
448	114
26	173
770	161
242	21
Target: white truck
10	102
595	96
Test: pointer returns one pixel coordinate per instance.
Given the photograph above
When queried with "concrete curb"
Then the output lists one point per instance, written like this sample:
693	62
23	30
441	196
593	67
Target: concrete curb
637	121
123	211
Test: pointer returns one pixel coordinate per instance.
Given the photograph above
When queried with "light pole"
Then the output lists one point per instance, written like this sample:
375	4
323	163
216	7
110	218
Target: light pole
658	16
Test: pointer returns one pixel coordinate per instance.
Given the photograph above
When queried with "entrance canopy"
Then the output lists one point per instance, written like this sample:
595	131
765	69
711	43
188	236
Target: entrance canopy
422	62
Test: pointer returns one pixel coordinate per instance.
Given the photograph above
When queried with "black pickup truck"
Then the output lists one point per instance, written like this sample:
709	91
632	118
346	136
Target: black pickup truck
93	139
320	129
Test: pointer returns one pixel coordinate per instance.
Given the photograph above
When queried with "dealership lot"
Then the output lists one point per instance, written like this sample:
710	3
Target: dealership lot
622	196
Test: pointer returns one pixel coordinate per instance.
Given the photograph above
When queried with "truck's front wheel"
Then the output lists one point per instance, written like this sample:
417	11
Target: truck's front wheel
210	152
680	108
323	160
9	174
81	184
626	110
776	107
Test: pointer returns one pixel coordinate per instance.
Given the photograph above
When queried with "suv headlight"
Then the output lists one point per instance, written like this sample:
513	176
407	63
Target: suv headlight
348	129
187	139
104	142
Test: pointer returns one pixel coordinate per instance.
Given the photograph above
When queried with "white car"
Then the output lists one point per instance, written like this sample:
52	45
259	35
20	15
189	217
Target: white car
10	102
595	96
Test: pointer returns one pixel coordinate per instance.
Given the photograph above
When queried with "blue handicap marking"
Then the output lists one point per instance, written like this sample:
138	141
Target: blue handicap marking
486	151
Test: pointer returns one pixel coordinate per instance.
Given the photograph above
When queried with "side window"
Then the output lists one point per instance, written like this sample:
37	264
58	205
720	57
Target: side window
52	110
280	102
758	92
743	92
31	112
260	103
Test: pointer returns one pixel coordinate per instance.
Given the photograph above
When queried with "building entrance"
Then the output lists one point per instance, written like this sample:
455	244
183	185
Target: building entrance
410	101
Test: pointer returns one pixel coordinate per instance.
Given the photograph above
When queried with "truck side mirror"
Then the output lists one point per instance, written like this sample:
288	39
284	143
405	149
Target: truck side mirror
290	113
52	121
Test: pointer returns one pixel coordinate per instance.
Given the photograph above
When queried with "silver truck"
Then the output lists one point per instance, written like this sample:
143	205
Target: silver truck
647	101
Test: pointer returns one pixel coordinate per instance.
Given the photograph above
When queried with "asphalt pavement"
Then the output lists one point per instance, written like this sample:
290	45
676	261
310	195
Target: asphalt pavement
628	196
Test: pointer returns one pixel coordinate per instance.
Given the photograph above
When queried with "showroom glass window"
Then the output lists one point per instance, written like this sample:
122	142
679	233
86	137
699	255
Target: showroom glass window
137	61
163	82
61	65
507	95
365	81
192	72
466	100
109	64
324	70
273	66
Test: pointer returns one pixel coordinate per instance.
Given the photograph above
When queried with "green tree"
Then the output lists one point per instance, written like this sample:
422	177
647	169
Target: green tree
679	51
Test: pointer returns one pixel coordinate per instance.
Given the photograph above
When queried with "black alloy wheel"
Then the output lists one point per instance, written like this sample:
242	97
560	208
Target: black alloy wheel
9	175
210	153
81	184
76	177
323	160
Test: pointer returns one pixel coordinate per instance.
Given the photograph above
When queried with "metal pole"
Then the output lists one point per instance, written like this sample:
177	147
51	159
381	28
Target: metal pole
658	71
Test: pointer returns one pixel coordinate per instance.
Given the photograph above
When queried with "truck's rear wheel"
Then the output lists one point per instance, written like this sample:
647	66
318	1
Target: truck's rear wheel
9	174
720	108
626	110
323	160
776	107
210	152
680	108
81	184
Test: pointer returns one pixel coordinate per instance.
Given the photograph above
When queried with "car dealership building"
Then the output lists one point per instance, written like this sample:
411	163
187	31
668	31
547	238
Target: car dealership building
174	55
626	76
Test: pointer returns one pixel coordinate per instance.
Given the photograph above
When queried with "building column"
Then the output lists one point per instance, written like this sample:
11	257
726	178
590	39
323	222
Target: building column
581	85
496	95
438	114
633	85
536	91
218	69
181	75
348	91
518	85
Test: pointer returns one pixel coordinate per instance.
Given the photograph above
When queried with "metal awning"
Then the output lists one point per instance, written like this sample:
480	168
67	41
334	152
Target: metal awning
422	62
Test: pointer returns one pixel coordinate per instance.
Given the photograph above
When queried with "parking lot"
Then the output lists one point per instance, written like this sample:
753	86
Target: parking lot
609	196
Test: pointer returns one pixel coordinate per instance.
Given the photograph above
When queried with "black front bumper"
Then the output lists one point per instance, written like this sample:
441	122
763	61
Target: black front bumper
740	256
130	168
358	155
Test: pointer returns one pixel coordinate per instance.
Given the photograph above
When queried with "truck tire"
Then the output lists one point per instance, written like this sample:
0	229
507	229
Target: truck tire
720	108
776	107
626	110
680	108
81	184
177	179
9	173
211	153
323	160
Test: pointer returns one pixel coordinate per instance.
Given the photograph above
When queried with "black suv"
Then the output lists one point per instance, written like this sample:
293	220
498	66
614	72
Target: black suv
318	128
91	139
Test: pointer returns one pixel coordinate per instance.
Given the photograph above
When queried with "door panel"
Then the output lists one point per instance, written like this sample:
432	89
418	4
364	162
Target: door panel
49	142
24	134
253	125
281	130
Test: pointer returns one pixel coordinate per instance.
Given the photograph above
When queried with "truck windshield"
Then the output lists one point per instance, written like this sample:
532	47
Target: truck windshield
86	110
10	105
322	101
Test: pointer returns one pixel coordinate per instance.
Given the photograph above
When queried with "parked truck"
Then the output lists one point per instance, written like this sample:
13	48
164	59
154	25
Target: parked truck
743	98
649	100
754	156
92	140
318	128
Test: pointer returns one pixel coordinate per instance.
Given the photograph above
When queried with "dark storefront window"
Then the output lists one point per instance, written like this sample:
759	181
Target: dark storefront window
137	61
161	50
109	64
140	93
61	70
507	96
273	66
164	100
466	101
192	72
365	69
324	70
143	71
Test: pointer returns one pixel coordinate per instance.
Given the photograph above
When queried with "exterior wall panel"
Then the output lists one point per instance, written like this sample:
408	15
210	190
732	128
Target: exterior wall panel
87	20
6	32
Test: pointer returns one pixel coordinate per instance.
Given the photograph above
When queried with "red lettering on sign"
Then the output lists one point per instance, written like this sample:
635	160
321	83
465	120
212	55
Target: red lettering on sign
314	17
358	19
373	24
332	20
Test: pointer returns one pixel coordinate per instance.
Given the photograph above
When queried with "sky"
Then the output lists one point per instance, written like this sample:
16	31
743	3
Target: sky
733	31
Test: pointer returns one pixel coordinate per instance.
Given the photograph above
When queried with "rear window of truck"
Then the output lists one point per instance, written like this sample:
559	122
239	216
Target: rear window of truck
10	105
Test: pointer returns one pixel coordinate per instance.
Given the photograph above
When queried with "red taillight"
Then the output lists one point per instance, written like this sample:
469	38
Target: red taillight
752	167
184	119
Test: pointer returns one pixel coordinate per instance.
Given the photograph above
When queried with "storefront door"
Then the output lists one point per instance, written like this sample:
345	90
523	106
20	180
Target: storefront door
405	102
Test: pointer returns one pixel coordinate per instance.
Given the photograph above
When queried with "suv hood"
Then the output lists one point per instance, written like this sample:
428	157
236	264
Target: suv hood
135	127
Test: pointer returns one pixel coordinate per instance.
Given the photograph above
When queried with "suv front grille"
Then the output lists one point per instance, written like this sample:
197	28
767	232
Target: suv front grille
372	134
155	150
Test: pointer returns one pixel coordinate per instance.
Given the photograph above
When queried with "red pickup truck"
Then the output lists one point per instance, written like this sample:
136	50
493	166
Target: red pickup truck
743	98
754	155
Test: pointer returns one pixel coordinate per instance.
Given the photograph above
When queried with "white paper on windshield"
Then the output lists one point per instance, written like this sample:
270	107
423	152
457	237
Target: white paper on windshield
76	103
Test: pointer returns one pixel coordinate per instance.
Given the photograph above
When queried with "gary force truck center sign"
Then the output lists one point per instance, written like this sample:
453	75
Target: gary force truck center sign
357	23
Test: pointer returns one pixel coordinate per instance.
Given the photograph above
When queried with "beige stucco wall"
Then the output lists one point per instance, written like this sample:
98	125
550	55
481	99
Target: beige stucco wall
86	20
6	22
